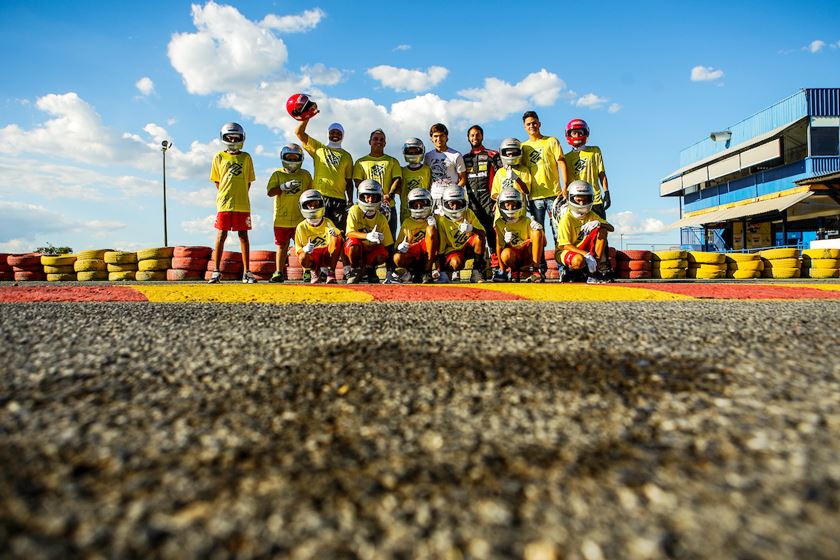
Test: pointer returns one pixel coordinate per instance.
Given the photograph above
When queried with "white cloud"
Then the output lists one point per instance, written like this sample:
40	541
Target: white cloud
200	225
402	47
227	51
591	101
403	79
205	227
294	24
628	223
145	86
614	108
320	74
23	223
816	46
705	74
205	198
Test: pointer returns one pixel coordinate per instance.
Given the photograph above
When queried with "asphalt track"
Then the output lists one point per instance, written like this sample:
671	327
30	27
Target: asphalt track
651	423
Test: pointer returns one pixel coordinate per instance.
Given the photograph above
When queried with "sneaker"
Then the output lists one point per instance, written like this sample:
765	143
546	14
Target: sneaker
426	278
435	275
331	278
277	277
315	278
307	276
597	278
561	274
443	278
391	277
406	278
476	277
372	278
352	277
456	276
513	276
215	278
500	275
535	276
248	278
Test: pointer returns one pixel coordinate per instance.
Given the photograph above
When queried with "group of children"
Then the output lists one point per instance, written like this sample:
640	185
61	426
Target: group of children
486	206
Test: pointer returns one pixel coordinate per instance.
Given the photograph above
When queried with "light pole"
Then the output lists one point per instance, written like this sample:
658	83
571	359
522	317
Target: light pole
621	235
165	145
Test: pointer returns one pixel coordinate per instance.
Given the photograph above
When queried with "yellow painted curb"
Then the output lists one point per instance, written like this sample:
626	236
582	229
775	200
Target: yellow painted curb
244	293
579	292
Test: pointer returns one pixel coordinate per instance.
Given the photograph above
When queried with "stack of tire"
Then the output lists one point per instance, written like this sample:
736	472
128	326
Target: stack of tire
90	265
706	266
635	265
263	264
553	272
59	268
26	267
230	266
821	263
188	263
743	266
781	263
152	264
293	269
6	272
122	265
669	265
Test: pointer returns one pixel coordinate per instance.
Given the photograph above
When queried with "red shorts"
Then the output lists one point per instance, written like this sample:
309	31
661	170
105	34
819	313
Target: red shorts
233	221
282	235
523	252
588	244
464	252
320	257
370	253
417	251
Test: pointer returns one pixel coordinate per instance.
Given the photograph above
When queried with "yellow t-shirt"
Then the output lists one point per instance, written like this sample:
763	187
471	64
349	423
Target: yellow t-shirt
320	234
332	168
382	169
234	173
521	230
413	230
357	221
568	231
586	165
502	180
544	155
420	178
286	208
451	238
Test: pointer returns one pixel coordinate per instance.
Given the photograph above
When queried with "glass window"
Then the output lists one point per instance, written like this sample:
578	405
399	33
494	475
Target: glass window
825	141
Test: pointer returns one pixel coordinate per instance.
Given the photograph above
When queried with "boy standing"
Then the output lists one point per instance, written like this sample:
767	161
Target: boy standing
286	185
587	164
233	172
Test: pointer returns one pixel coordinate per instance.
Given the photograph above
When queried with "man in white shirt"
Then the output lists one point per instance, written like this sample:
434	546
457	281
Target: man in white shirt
447	165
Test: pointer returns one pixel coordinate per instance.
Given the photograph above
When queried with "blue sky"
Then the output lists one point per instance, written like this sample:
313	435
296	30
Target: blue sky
91	88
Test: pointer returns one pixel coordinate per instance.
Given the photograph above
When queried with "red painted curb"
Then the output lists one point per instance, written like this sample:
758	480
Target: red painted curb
18	294
393	292
738	291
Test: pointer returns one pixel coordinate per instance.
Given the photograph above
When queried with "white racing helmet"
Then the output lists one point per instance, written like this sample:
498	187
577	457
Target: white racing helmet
312	206
232	136
413	151
508	195
366	188
291	156
420	204
510	151
454	202
580	189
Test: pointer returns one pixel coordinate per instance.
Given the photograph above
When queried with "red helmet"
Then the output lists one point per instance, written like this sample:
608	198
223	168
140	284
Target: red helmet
577	124
300	107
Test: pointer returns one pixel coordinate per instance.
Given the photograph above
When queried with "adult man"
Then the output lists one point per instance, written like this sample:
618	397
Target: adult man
386	171
546	154
482	165
447	165
587	164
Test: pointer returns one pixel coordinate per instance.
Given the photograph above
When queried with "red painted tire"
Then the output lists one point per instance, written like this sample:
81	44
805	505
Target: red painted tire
294	274
182	252
638	274
633	255
179	274
227	256
6	276
263	267
613	263
190	263
263	255
27	261
634	265
232	267
552	274
552	264
612	252
29	276
4	264
549	254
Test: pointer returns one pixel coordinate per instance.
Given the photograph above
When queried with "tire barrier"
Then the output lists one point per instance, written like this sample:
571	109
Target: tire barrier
90	266
155	253
782	253
669	255
182	251
818	263
180	274
119	257
821	253
188	263
122	275
61	277
700	257
634	265
59	269
91	275
150	275
6	272
25	267
121	265
149	265
56	261
92	254
669	265
743	266
781	263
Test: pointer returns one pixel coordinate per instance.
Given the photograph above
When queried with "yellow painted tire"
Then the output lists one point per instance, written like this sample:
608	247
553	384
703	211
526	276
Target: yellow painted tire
747	266
700	257
118	276
130	267
702	274
808	262
62	277
91	275
669	273
781	263
59	269
157	253
670	264
669	255
154	264
60	260
150	275
92	254
778	272
742	257
120	257
782	253
89	265
744	274
820	272
708	267
822	253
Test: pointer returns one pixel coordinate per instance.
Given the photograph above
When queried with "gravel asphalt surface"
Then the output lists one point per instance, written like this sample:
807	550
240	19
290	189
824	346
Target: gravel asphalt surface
698	429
